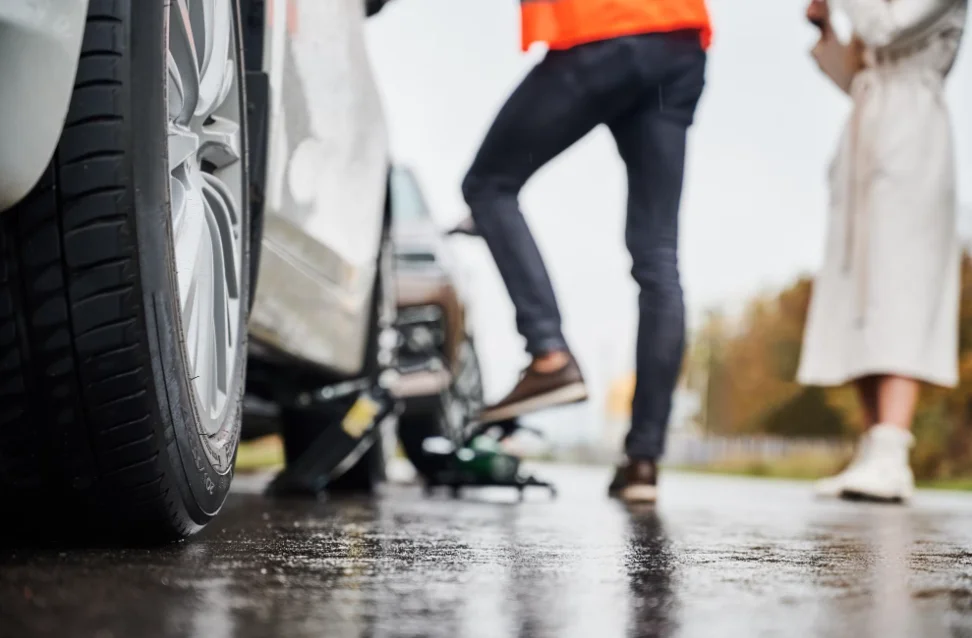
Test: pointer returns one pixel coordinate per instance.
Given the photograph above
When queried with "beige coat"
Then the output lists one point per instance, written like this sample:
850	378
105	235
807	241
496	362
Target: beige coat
886	300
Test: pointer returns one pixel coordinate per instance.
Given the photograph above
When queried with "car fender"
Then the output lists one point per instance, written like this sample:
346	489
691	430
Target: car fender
326	174
40	42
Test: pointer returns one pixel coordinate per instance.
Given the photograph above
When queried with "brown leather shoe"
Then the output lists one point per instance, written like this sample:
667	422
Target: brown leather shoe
640	482
538	391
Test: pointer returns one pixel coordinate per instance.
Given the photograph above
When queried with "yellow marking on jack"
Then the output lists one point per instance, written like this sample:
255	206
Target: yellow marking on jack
360	417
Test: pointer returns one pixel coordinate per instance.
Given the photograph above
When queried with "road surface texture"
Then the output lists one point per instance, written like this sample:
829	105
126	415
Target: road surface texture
718	557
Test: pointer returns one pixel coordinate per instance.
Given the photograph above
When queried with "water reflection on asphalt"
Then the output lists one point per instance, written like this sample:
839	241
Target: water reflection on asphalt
718	557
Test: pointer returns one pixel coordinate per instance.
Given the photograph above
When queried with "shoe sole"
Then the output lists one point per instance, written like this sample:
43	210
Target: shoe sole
639	494
852	495
573	393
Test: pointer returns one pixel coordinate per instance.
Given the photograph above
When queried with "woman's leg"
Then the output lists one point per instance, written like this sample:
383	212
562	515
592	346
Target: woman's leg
867	393
879	468
897	398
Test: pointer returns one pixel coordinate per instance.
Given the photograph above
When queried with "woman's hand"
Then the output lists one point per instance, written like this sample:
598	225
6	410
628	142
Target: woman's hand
818	13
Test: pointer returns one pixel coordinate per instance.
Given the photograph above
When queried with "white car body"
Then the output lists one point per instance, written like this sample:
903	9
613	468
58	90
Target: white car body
327	164
326	184
40	41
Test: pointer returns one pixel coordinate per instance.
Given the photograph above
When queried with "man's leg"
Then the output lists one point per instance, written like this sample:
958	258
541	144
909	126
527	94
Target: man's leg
546	114
552	108
651	140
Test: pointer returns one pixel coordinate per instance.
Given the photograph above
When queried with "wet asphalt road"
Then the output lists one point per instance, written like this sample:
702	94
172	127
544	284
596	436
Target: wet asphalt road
718	557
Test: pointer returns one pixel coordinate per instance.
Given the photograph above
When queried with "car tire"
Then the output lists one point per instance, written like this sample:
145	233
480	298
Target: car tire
448	416
104	430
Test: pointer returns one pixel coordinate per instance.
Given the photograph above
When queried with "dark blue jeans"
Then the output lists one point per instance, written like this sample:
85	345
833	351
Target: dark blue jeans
645	89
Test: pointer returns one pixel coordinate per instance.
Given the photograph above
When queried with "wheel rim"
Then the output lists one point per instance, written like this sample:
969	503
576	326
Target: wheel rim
454	415
206	182
468	381
463	400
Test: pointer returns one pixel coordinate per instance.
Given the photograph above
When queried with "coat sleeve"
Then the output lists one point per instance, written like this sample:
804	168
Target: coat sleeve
880	23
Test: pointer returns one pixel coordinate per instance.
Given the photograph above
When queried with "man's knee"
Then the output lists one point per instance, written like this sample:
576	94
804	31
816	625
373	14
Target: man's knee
472	187
482	187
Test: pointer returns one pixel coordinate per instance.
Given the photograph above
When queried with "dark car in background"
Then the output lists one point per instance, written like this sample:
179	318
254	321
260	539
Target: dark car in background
440	382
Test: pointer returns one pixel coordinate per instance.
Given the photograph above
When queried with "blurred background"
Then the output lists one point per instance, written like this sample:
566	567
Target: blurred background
753	219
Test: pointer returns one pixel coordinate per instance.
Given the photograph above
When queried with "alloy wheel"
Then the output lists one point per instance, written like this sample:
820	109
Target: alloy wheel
205	139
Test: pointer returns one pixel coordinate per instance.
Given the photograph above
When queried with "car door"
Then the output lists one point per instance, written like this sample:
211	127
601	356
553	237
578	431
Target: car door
326	185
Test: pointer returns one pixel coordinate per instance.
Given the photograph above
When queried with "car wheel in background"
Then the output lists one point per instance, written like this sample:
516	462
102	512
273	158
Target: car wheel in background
448	416
124	288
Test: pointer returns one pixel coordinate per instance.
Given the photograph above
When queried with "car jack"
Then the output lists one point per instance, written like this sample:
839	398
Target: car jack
336	449
480	462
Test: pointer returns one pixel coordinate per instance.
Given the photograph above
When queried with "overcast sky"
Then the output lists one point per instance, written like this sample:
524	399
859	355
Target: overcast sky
753	210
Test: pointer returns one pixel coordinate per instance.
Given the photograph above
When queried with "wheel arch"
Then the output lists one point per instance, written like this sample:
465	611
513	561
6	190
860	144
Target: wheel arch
254	18
253	14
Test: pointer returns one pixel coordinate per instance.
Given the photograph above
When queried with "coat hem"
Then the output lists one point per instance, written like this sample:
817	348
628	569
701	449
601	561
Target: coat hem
835	380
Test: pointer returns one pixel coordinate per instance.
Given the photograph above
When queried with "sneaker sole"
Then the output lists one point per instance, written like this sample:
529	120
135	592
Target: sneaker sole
573	393
639	494
852	495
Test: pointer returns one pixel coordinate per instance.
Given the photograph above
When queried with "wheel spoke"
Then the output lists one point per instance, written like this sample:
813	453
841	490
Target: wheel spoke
179	204
202	316
222	210
183	145
189	227
218	70
214	364
219	293
182	51
205	24
177	92
229	325
189	314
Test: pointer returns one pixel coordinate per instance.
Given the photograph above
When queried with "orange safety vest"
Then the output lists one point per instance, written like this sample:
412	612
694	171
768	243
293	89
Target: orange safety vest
563	24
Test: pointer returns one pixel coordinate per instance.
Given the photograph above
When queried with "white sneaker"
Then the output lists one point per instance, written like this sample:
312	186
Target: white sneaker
883	473
832	486
880	471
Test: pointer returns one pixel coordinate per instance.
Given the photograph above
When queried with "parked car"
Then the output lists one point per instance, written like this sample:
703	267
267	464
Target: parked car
147	150
440	381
